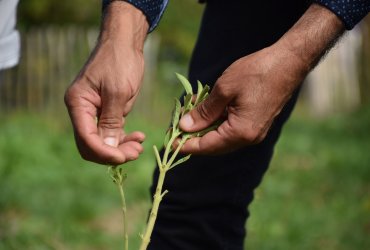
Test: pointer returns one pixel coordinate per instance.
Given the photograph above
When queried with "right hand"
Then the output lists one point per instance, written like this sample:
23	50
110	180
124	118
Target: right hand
254	89
107	87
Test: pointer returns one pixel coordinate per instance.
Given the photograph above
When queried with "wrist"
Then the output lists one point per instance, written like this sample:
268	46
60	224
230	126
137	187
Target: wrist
312	36
125	25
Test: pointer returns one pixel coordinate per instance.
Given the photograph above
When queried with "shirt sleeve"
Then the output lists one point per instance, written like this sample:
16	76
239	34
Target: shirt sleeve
153	9
349	11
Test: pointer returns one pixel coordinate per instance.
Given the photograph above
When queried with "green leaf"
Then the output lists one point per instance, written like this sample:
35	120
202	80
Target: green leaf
182	160
124	176
203	95
158	158
167	137
199	92
176	115
187	103
185	83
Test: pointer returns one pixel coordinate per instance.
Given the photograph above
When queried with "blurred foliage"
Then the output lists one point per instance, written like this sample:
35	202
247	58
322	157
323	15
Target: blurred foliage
55	12
315	195
51	199
364	61
177	29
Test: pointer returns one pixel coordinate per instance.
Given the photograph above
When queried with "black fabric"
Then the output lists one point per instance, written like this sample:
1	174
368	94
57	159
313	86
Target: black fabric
206	207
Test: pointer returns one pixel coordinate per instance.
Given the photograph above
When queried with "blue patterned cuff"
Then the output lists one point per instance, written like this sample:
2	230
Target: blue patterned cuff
349	11
153	9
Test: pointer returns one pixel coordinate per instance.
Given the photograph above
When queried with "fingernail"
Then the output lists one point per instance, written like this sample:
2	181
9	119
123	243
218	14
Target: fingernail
187	121
111	141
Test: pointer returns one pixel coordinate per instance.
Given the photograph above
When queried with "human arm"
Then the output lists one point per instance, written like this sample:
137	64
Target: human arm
255	88
107	86
152	9
350	12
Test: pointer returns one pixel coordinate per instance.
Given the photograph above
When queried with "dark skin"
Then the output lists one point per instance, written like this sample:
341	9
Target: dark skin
108	84
107	87
255	88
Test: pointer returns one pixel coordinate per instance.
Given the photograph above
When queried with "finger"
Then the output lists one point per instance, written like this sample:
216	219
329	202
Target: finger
134	136
102	153
207	112
131	150
82	107
218	141
131	146
89	143
113	108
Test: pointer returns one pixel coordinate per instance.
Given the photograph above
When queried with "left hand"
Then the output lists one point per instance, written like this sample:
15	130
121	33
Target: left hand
252	91
255	88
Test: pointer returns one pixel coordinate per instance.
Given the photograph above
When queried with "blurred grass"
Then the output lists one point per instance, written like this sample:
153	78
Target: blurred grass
317	193
315	196
52	199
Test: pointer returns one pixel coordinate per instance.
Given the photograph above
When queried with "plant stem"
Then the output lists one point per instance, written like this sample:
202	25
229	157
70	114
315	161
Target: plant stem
169	147
173	157
167	162
153	213
164	166
119	183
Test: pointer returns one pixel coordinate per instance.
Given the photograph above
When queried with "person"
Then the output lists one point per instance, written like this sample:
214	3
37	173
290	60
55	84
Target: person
257	53
9	36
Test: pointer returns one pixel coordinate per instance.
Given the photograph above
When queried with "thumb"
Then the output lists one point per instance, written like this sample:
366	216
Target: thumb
111	119
207	112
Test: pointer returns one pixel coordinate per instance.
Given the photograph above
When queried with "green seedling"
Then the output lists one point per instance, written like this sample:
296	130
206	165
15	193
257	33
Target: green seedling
169	159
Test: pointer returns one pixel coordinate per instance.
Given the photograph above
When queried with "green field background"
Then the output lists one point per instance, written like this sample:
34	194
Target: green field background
316	194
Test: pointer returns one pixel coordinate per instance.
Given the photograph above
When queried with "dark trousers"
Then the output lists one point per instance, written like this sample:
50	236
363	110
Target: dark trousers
207	204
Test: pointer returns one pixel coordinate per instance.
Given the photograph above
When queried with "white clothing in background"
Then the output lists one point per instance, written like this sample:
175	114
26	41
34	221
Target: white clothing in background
9	36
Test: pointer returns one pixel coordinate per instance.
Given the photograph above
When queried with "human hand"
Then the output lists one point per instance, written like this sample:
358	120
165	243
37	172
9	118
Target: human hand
103	93
249	95
254	89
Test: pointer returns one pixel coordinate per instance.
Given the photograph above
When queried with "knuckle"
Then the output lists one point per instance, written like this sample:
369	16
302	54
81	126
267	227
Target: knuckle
221	91
118	92
69	95
204	112
110	122
113	91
